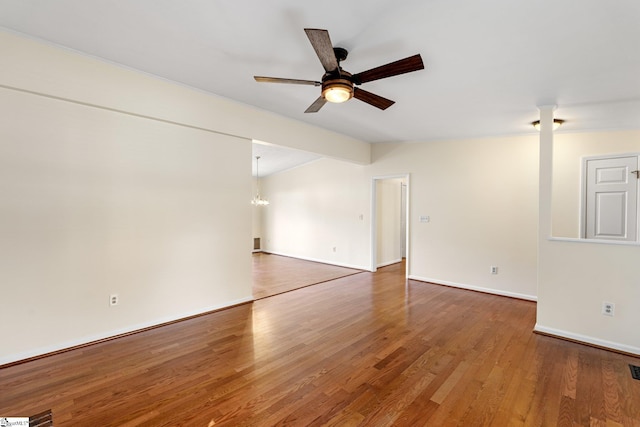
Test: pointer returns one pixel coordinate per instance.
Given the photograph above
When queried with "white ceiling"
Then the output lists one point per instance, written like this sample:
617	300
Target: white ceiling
488	63
275	159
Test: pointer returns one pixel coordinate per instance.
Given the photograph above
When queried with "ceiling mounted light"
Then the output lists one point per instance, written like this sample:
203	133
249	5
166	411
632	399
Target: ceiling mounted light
258	200
556	124
337	90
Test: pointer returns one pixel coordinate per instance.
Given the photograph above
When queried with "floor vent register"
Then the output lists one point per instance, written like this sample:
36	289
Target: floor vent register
635	372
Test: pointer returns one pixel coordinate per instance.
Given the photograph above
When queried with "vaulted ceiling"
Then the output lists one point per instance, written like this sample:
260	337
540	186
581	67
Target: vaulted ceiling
488	63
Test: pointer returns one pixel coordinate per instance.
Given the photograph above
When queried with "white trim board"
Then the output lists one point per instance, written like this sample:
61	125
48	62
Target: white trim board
597	241
476	288
69	345
587	339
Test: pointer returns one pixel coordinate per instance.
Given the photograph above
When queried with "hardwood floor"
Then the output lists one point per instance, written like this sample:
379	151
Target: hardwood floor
367	349
274	274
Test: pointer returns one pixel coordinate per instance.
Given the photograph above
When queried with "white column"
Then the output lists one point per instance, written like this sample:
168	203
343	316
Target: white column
546	172
544	195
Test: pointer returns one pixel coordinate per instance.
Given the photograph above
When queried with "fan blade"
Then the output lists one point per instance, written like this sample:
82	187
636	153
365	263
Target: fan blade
324	49
406	65
263	79
316	106
372	99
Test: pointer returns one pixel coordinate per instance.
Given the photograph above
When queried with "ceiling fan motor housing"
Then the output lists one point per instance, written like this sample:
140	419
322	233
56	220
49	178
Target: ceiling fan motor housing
341	53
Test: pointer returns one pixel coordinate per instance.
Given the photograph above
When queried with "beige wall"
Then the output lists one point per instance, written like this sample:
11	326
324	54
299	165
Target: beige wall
388	221
317	207
256	214
40	68
482	199
576	277
94	202
568	153
481	196
112	181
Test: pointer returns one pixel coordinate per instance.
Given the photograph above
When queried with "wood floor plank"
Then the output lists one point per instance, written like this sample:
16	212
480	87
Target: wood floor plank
275	274
368	349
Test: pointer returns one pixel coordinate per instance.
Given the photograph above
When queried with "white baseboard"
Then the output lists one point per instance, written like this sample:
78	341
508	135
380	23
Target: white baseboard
323	261
476	288
11	358
587	339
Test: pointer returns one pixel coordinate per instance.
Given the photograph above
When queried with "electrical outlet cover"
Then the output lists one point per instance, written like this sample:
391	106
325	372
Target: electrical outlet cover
608	308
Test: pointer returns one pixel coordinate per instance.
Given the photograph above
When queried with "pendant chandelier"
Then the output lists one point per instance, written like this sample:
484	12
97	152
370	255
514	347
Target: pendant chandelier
258	200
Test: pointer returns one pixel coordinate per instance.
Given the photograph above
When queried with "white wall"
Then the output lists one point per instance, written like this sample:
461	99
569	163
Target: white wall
317	207
388	221
481	196
112	181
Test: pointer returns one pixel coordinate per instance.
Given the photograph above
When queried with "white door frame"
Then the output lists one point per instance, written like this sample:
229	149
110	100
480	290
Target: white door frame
374	220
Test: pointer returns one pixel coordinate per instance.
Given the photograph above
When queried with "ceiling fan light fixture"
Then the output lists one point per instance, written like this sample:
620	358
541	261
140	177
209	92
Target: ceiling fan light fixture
337	91
556	124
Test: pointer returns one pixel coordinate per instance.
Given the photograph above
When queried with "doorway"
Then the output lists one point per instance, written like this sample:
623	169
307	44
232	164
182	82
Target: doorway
389	221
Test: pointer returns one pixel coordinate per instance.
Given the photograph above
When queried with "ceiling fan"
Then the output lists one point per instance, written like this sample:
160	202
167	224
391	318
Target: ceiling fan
339	85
